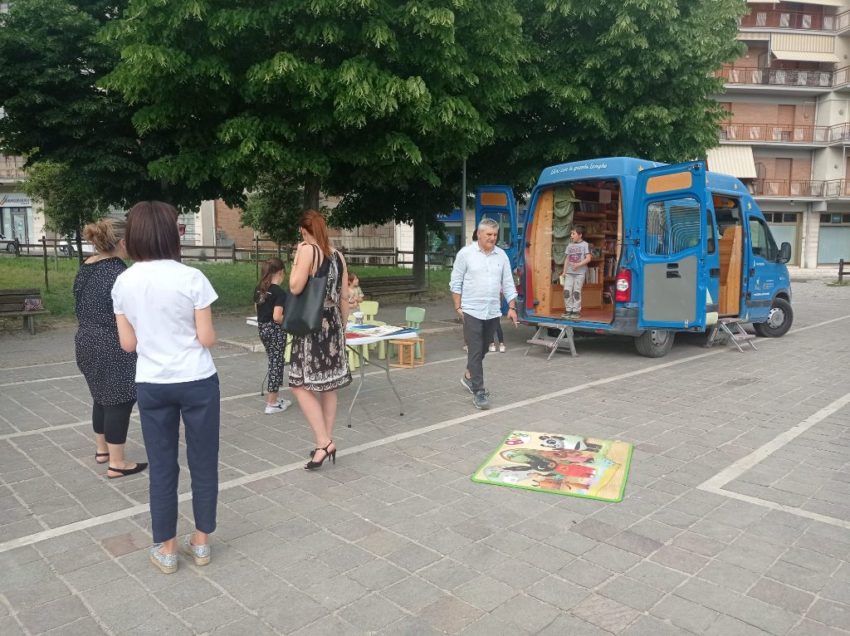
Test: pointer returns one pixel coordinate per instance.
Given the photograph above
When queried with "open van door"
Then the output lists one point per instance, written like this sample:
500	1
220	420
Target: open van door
498	203
670	205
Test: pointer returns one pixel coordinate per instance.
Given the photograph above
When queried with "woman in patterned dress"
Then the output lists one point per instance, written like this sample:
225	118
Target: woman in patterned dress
318	364
109	371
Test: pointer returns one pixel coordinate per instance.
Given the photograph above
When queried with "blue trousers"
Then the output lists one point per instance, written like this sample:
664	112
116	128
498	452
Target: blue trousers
160	408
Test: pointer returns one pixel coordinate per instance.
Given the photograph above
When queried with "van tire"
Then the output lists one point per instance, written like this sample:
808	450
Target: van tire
655	343
778	322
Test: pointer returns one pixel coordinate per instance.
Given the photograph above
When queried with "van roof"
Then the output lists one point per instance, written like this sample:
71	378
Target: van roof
612	167
602	168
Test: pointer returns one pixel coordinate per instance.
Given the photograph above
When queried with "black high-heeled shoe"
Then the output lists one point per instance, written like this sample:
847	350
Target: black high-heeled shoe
312	465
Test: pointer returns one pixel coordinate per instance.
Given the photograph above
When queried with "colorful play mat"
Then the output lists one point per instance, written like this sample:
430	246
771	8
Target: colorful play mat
562	464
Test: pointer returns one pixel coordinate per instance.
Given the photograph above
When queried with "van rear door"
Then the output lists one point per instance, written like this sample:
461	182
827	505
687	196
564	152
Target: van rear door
497	202
670	207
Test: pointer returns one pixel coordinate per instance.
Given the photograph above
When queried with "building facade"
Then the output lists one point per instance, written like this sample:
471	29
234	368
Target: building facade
19	219
787	132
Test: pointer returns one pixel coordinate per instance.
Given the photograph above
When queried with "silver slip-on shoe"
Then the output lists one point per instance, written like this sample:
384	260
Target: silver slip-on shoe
200	553
167	563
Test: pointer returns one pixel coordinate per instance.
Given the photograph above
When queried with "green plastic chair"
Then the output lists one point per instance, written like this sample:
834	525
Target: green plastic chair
413	319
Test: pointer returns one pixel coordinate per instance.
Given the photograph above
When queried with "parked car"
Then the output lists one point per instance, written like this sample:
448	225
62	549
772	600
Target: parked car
70	248
7	245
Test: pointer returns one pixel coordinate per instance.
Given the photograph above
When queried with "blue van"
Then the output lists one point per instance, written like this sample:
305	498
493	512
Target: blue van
674	248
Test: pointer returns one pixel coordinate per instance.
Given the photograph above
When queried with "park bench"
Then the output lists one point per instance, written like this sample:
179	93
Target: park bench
388	285
22	302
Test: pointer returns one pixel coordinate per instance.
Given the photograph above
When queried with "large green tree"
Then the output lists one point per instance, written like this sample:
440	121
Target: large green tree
614	77
337	94
50	62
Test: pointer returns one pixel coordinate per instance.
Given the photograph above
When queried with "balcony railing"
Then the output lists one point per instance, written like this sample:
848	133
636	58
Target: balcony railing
778	133
835	188
11	173
828	189
787	188
775	77
777	19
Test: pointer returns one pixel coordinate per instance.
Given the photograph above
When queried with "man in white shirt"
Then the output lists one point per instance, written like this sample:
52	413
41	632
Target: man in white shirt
481	274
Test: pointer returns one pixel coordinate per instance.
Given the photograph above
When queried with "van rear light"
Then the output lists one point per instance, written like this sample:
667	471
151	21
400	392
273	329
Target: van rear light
623	293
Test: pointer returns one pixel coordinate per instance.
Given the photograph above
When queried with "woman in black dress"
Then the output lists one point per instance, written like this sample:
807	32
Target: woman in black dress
109	371
318	364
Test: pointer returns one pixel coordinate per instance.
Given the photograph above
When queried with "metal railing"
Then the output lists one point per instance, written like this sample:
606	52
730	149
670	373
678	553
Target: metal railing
818	189
779	133
775	77
787	188
778	19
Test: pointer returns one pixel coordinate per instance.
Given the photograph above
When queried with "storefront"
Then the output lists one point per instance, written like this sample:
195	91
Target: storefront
833	238
785	227
16	220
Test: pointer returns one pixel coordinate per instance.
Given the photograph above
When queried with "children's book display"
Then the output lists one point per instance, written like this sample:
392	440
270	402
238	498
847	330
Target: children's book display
562	464
374	331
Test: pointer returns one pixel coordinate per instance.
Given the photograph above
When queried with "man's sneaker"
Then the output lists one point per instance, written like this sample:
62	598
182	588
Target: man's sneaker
492	347
502	348
481	400
467	383
278	407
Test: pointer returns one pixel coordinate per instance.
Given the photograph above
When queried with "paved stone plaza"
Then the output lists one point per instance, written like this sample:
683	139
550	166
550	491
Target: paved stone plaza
736	517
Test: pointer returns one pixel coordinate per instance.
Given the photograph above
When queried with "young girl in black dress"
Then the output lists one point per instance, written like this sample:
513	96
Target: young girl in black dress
270	299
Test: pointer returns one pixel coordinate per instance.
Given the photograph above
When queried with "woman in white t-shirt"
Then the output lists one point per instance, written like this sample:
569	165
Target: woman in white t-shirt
163	311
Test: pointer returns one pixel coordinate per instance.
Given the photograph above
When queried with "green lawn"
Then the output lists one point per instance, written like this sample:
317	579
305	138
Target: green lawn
234	282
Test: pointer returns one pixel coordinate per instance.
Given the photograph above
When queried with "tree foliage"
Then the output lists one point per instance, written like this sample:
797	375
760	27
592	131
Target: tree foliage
614	77
50	63
274	208
69	202
333	93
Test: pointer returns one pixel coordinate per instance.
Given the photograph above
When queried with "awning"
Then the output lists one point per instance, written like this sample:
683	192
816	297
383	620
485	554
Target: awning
805	56
735	160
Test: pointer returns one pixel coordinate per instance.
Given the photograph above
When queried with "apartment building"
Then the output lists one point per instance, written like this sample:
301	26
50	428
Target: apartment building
787	133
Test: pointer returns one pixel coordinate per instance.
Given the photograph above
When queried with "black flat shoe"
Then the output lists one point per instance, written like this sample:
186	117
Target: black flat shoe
139	467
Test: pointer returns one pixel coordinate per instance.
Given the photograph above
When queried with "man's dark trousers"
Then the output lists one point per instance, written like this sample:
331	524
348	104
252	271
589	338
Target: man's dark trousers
478	335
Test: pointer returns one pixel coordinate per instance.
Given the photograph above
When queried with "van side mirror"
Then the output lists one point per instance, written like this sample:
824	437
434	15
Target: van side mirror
784	253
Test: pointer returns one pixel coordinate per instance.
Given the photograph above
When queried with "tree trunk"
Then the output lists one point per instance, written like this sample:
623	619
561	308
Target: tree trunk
420	246
311	192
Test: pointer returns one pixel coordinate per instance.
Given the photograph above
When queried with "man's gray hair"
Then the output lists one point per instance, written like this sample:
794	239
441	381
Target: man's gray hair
488	222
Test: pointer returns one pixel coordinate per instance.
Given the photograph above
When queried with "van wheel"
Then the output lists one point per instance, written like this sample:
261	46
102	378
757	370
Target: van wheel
655	343
779	320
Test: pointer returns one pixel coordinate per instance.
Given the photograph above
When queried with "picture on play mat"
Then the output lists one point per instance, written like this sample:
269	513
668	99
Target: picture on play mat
562	464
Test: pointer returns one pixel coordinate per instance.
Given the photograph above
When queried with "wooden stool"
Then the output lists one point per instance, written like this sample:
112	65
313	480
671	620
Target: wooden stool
407	352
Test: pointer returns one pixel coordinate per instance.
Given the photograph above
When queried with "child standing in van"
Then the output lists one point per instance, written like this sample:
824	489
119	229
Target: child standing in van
575	269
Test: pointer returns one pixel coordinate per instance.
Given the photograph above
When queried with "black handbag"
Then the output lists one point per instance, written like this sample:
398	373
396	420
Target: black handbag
302	313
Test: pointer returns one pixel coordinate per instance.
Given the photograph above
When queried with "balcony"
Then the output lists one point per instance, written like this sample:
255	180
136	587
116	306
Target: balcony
775	77
787	188
779	133
836	188
11	168
797	20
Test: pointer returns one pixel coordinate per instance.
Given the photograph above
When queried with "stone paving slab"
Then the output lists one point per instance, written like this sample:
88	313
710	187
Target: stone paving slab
395	538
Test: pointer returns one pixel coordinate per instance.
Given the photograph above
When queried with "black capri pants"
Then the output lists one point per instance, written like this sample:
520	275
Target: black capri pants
112	421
